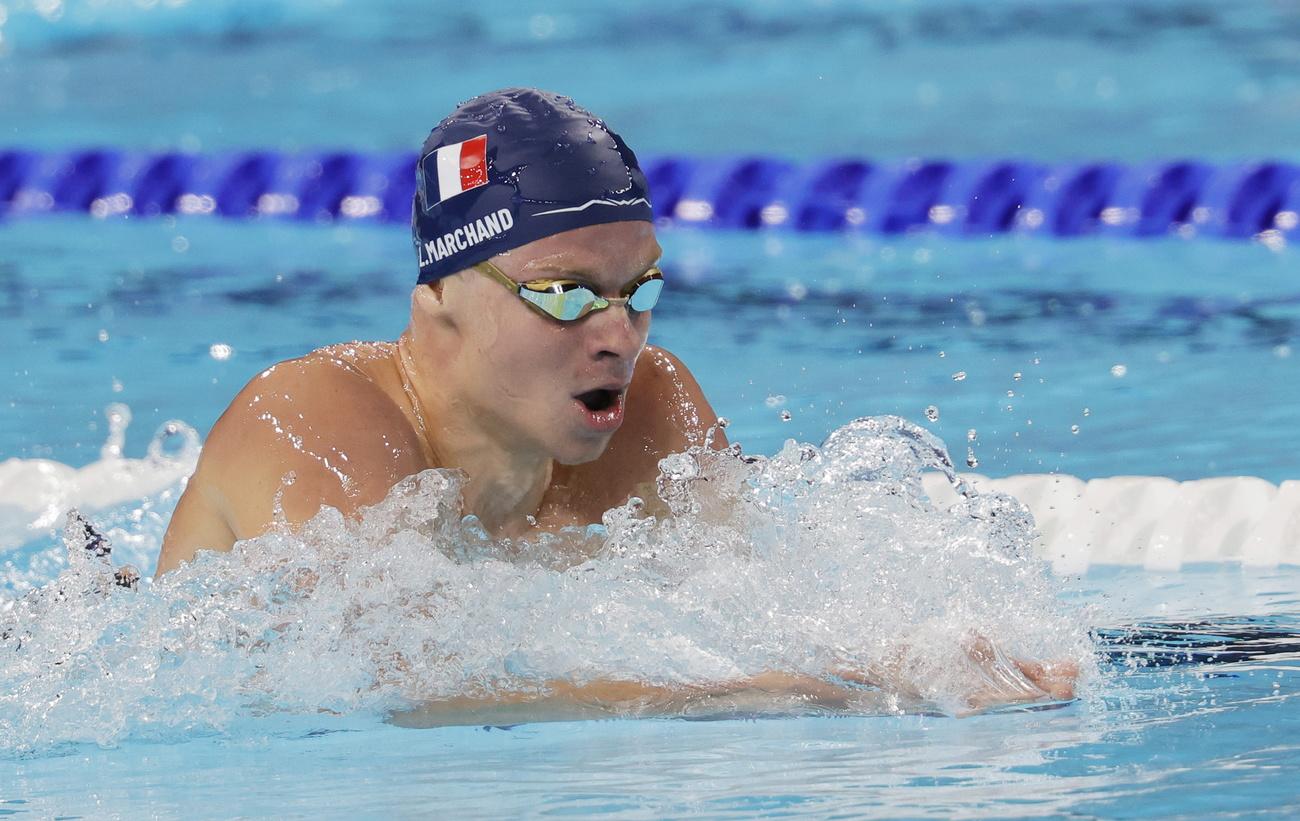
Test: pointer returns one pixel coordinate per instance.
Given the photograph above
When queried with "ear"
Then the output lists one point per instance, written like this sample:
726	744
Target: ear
428	296
425	300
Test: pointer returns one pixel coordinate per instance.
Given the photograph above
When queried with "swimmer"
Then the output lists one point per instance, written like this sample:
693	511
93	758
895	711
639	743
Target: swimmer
524	364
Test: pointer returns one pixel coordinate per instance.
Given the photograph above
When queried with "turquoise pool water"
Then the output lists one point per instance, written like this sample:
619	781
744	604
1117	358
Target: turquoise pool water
171	316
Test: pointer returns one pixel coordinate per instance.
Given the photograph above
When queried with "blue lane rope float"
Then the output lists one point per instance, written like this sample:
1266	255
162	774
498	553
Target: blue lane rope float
968	198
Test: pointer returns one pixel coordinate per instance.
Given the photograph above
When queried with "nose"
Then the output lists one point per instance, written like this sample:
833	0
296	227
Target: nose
612	333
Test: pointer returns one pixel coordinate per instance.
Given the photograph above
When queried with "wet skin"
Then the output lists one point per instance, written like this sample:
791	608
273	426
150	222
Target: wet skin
478	381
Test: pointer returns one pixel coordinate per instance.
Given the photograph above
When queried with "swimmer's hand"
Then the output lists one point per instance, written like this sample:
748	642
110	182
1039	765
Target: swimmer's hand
1002	680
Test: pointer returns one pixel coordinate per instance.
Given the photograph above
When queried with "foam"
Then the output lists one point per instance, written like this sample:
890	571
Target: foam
812	560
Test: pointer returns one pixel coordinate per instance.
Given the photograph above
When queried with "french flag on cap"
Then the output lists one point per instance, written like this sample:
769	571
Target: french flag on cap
454	169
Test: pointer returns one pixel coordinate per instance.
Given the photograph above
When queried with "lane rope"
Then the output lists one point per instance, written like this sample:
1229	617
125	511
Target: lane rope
1150	521
1186	198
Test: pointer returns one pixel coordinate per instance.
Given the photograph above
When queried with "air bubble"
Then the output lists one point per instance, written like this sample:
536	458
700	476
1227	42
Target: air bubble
932	413
971	435
971	460
786	416
1016	376
1074	429
1087	411
775	400
959	376
1119	370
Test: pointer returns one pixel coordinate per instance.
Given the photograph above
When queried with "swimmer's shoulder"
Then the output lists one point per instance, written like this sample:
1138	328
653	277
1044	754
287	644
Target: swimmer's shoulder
667	409
324	428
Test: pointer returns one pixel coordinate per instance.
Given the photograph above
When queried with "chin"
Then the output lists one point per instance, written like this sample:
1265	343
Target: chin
580	452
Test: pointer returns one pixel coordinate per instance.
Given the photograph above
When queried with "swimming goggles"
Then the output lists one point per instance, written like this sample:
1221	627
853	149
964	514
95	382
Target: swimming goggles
568	300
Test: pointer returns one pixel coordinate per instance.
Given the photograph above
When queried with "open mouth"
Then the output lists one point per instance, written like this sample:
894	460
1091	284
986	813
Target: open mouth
598	400
601	409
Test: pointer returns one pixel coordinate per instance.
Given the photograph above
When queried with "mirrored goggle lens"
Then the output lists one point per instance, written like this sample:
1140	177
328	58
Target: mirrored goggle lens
566	305
646	295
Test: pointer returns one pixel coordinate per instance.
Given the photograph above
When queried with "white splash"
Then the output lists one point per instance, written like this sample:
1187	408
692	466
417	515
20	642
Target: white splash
813	560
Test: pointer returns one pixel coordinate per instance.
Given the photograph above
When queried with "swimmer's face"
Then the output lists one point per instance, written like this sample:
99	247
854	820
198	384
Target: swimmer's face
544	385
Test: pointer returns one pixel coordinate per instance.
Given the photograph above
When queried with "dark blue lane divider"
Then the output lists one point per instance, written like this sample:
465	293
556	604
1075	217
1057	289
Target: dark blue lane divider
971	198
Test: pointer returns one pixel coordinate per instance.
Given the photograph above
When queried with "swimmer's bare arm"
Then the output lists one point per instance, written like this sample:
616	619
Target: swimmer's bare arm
300	420
846	690
564	701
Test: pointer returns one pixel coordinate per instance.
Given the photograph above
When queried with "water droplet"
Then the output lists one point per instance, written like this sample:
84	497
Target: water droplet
1119	371
119	417
1087	411
959	376
776	400
1037	360
103	334
786	416
932	413
971	460
972	435
1016	376
220	351
723	422
1010	394
1074	429
501	128
531	519
118	386
942	354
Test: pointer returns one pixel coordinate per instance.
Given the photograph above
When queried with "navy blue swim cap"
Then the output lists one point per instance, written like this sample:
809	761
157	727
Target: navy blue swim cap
516	165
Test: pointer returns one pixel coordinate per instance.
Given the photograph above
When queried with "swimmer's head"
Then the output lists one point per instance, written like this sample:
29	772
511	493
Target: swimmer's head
513	166
535	384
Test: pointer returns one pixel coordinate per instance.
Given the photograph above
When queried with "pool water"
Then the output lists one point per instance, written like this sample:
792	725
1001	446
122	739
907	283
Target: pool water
1185	740
1092	358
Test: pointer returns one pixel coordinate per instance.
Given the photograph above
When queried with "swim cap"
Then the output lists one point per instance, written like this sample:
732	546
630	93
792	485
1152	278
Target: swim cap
516	165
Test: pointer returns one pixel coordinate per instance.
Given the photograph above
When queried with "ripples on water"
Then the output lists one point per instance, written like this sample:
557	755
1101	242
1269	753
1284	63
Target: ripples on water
810	559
